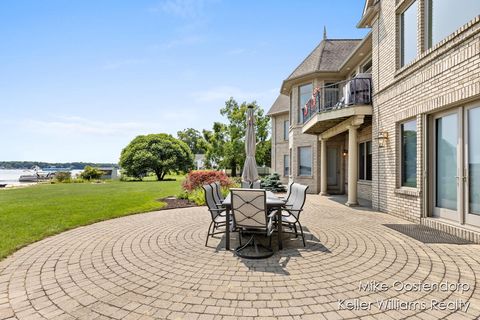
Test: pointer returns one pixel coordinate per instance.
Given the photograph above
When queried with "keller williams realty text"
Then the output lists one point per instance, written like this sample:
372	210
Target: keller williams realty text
397	304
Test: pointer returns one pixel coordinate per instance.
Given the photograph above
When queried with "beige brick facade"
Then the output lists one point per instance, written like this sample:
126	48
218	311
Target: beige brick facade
445	76
440	78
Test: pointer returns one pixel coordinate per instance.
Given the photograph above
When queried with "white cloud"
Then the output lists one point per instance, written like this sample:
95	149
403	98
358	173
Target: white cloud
79	125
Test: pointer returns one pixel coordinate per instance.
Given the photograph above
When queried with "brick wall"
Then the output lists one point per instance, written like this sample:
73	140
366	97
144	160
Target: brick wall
444	76
279	145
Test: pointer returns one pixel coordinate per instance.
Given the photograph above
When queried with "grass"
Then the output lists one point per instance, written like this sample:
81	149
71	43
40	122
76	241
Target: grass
33	213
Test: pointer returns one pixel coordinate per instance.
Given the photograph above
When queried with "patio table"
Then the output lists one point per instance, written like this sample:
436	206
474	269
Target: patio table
273	202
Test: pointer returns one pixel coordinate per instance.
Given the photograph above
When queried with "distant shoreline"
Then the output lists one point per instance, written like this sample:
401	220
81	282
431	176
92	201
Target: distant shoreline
27	165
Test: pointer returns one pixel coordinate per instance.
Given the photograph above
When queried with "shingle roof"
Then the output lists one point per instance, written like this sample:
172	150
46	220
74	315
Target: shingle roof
327	56
280	105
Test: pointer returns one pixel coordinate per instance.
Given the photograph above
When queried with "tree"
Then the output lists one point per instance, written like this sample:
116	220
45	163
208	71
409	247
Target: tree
194	140
228	140
157	153
90	173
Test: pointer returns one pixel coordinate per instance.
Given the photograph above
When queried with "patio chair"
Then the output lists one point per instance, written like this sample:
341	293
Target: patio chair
293	208
250	214
289	191
219	190
217	193
246	185
217	213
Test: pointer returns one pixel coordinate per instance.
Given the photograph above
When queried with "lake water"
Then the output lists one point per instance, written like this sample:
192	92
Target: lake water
10	176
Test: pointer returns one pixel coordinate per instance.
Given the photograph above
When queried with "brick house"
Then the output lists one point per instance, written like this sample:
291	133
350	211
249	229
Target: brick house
391	117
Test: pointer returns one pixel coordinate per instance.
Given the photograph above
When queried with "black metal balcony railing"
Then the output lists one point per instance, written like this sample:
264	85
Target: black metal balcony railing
337	96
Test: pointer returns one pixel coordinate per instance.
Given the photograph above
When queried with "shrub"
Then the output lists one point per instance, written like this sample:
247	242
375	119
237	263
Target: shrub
63	176
196	179
272	183
90	173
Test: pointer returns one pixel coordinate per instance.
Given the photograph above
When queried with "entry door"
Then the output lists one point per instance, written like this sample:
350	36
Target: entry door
472	165
333	169
447	168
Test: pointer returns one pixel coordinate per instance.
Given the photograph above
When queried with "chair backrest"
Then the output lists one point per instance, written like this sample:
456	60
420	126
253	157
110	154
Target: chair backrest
210	201
289	191
298	201
219	190
246	185
249	208
291	194
256	184
216	193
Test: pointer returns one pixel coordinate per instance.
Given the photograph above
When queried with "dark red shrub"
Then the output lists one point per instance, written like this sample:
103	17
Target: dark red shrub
196	179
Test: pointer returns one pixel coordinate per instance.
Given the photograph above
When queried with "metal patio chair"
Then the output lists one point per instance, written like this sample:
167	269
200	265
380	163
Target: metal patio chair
246	185
249	209
217	194
293	207
217	213
256	185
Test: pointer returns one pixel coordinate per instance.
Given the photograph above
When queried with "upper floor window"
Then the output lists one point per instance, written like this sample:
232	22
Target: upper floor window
286	165
445	16
304	94
367	67
365	161
290	115
408	34
408	136
286	126
304	161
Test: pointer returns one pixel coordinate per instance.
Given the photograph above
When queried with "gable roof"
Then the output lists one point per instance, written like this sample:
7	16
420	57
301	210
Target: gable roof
327	56
280	105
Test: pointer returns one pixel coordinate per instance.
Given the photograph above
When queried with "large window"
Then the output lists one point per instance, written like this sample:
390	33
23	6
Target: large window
286	165
408	36
408	136
445	16
365	161
304	161
304	94
286	126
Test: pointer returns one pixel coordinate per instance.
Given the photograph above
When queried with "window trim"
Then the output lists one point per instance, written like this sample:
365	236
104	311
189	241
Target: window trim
298	162
400	155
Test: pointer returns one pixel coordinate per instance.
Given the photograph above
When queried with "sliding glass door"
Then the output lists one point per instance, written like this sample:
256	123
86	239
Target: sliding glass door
446	160
456	165
472	165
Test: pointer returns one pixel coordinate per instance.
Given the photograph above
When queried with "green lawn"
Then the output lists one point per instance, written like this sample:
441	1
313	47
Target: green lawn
32	213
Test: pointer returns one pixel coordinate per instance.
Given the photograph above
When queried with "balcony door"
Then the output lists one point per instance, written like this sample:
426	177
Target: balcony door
456	165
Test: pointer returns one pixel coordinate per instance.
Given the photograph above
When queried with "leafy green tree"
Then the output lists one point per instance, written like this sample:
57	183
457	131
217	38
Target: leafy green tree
227	141
194	139
157	153
91	173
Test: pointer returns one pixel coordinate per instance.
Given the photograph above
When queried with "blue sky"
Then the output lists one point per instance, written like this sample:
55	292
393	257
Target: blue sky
80	79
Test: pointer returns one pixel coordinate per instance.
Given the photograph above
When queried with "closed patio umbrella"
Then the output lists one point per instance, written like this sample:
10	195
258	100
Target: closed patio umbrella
250	172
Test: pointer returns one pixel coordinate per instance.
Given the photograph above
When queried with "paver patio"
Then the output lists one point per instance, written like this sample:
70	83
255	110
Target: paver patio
155	266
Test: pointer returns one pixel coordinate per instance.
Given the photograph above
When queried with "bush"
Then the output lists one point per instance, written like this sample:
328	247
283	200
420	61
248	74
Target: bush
192	185
272	183
196	179
90	173
63	176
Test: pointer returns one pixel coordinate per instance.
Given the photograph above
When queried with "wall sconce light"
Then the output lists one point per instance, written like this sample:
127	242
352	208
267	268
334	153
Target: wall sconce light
345	152
382	139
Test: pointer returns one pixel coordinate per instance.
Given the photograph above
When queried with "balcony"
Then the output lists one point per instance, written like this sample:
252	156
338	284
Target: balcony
334	103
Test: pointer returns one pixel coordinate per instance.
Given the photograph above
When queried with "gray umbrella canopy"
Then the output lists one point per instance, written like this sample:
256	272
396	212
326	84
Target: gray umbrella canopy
250	172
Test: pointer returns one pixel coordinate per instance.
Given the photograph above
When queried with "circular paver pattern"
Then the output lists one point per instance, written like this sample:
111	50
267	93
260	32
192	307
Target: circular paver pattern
156	266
